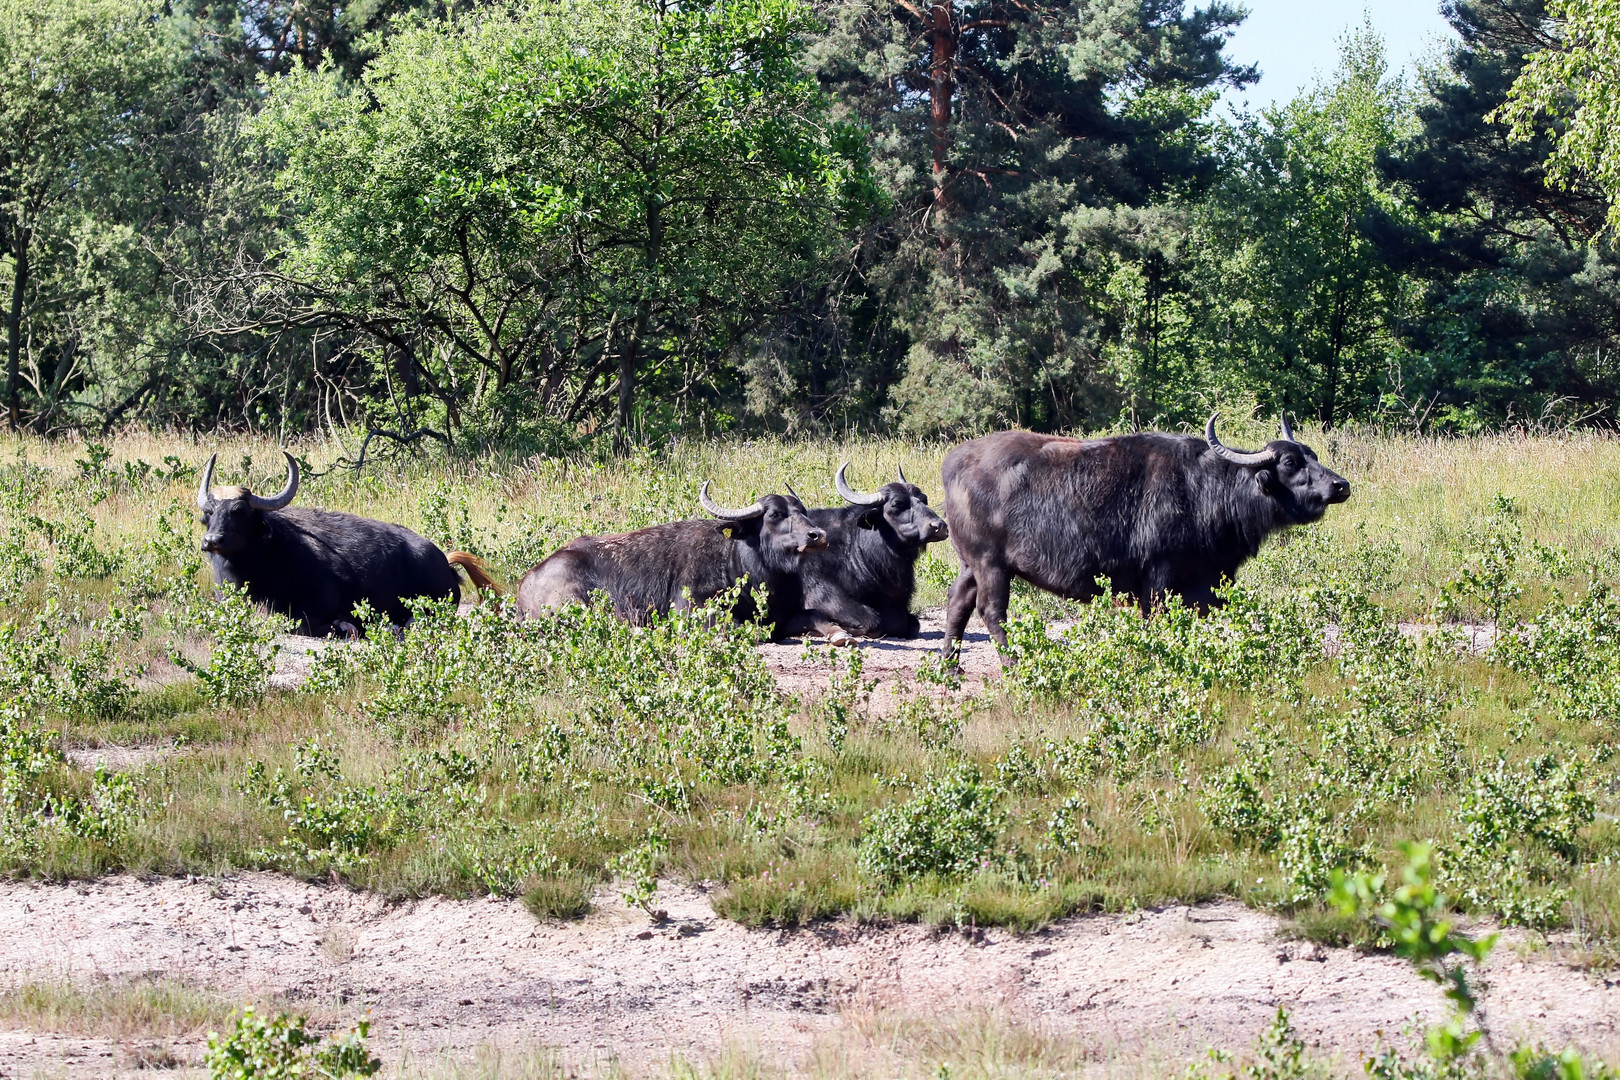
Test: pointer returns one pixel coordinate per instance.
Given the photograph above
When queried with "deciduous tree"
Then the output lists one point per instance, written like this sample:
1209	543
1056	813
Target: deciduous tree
1572	84
548	208
80	81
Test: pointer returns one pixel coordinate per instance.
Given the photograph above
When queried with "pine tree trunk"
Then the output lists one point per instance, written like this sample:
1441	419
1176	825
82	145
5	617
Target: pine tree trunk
942	87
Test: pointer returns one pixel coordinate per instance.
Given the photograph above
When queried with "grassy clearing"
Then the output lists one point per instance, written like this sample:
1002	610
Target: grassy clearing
1125	763
868	1041
113	1009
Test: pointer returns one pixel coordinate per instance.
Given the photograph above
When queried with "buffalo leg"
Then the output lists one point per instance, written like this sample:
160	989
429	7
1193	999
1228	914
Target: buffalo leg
832	616
900	624
995	588
1204	599
805	623
959	605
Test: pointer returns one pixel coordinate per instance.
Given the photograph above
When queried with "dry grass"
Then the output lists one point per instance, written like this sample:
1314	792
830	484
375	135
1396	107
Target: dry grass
868	1041
113	1010
1427	495
880	1041
1415	518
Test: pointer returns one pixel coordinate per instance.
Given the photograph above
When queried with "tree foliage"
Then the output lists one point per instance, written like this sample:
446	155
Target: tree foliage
1012	135
537	223
531	214
1309	320
1517	311
82	84
1573	82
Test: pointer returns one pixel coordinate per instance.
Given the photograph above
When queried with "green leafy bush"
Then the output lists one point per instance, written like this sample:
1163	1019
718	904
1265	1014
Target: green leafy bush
949	827
1279	1054
281	1048
1544	800
1488	581
244	650
44	674
1570	654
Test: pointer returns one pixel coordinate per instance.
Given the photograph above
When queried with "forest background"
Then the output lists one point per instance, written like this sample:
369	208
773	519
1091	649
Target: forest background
538	224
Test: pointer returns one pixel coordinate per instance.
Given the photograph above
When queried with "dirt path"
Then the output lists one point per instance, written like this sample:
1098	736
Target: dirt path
890	662
439	974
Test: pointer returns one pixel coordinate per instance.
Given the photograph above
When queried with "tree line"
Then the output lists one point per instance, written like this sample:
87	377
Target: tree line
541	222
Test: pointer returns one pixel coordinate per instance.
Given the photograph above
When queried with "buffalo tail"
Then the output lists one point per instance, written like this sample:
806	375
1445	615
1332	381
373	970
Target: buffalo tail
475	570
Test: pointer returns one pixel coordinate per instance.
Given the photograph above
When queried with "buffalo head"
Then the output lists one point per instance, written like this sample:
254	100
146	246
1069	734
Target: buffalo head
1287	471
783	525
902	505
234	516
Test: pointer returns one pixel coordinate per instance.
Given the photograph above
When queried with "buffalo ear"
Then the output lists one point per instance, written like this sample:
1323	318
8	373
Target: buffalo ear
868	520
1267	479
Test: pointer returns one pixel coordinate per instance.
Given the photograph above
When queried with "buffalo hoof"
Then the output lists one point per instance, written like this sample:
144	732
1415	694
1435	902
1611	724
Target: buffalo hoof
349	631
841	638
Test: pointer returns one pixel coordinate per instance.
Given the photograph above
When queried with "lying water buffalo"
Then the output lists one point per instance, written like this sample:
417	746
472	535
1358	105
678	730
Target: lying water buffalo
862	583
1154	514
681	564
316	565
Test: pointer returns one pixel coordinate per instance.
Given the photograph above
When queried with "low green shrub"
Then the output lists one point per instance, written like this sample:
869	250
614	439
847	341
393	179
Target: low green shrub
949	827
280	1047
243	653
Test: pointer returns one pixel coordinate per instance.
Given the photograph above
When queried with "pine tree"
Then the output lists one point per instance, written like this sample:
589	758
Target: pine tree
1521	310
1003	130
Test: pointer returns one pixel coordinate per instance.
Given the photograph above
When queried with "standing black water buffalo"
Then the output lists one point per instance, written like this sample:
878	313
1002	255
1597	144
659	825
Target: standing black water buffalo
1155	514
316	565
862	583
681	564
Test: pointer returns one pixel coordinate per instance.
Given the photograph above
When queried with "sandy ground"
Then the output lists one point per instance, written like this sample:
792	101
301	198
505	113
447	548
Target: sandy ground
889	662
454	975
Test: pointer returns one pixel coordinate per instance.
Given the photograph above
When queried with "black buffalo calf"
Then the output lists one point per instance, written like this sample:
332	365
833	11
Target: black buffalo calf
862	583
316	565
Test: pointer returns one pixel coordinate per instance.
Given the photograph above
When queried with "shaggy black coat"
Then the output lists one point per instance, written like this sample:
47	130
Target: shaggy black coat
316	565
679	565
864	580
1154	514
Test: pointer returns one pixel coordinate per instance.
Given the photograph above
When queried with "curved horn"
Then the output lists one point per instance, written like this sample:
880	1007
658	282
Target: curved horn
1262	457
757	510
900	471
850	494
205	497
1287	432
285	496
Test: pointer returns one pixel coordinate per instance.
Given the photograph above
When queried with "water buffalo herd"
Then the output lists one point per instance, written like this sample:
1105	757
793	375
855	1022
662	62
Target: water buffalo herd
1152	514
